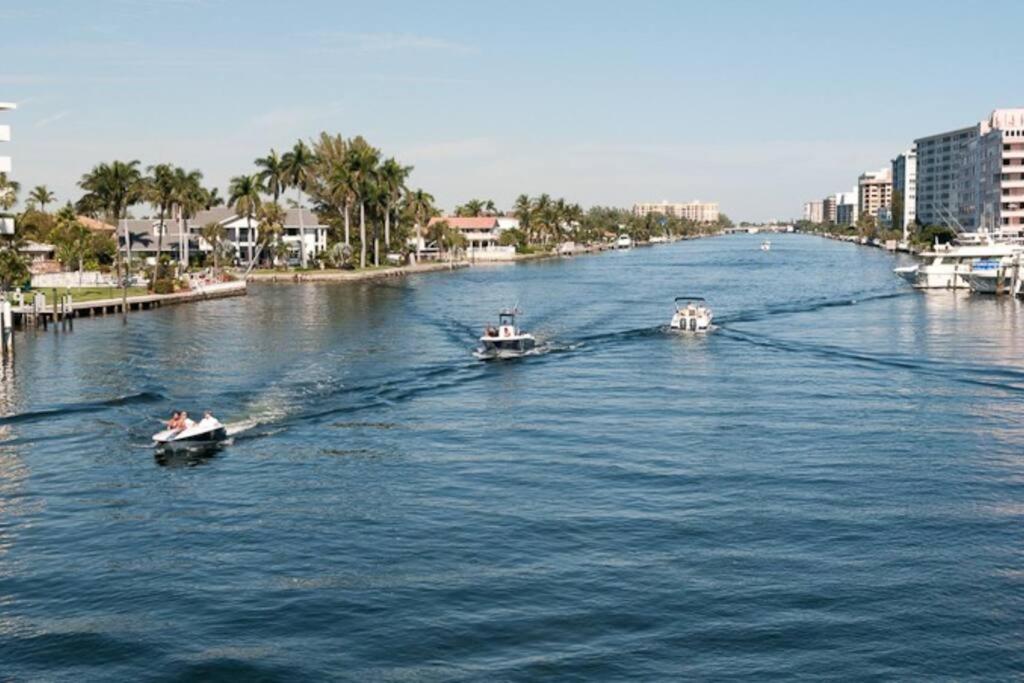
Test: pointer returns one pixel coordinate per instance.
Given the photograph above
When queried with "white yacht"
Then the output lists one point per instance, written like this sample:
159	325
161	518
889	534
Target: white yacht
766	245
624	242
994	276
949	267
692	315
506	340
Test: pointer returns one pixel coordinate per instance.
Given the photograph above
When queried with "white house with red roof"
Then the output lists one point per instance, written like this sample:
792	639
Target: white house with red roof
483	236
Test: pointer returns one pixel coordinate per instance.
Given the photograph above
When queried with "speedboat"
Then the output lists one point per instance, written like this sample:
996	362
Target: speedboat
949	267
766	245
506	340
692	315
624	242
207	432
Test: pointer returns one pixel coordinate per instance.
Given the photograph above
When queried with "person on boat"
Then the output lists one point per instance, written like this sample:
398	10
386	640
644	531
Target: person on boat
491	331
186	423
208	419
175	421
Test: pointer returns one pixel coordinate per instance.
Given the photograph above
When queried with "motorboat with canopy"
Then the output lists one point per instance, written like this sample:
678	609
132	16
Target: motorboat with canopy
692	315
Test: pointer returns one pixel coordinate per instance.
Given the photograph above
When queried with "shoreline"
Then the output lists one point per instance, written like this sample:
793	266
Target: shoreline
285	277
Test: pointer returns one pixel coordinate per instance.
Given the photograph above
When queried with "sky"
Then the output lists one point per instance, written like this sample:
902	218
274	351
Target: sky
759	106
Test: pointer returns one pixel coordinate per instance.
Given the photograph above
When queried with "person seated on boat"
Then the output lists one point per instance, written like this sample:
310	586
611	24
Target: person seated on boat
186	423
491	331
208	419
175	421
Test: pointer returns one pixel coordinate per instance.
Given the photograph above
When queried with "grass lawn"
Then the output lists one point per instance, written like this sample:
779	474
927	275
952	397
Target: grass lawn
82	294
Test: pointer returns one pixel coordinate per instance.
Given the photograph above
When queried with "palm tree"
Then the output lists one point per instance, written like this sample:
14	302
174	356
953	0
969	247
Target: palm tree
362	169
331	185
271	228
190	198
542	212
420	206
392	177
523	210
8	192
42	196
244	196
212	198
72	240
214	234
161	192
113	188
298	172
272	175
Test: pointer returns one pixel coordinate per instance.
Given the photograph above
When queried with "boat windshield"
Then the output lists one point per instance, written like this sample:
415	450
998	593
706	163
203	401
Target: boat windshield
506	319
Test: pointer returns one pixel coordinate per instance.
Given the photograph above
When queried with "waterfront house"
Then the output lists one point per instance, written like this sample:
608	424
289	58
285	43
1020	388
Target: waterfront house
241	235
40	257
483	236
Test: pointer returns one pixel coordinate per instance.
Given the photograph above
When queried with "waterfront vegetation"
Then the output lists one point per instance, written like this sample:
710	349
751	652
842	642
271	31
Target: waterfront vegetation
921	236
374	218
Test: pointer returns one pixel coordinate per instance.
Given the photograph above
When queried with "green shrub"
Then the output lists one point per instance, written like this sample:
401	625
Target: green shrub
164	285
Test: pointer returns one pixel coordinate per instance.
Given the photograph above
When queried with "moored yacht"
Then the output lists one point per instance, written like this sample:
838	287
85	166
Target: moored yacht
506	340
624	242
949	267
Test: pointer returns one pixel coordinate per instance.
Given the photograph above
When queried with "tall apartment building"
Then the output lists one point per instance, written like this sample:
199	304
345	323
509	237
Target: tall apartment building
874	192
698	212
991	180
904	184
847	207
828	209
813	211
939	159
5	136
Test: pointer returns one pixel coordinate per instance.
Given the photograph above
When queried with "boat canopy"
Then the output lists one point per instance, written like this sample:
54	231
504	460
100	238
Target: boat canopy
689	298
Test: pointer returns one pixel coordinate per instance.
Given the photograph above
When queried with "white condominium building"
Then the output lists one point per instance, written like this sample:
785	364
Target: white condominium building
874	192
5	136
904	190
698	212
814	212
990	192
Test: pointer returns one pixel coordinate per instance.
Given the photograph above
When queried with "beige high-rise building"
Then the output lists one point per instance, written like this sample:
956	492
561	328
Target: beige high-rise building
874	192
814	211
698	212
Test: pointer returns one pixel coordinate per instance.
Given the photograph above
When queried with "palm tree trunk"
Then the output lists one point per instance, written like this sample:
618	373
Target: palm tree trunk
159	248
249	240
387	227
302	230
347	240
362	235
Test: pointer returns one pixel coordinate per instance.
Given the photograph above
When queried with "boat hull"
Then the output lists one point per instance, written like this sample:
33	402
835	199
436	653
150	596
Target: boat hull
190	438
497	349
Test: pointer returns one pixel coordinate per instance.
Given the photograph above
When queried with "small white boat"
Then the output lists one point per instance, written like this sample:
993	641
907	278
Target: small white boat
624	242
506	340
766	245
692	315
207	432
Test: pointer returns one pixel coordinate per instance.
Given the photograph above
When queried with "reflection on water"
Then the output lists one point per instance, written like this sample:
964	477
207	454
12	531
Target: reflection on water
837	466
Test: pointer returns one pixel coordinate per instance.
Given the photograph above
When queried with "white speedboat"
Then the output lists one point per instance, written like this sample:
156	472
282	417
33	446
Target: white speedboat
624	242
766	245
506	340
692	315
949	267
207	432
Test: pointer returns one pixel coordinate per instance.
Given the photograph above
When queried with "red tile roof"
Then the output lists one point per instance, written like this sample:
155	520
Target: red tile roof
468	222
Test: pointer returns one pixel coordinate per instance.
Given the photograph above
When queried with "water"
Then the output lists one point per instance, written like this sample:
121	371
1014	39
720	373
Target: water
832	484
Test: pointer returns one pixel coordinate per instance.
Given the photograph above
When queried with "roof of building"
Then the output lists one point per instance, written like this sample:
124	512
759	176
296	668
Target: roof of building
95	225
37	247
467	222
225	214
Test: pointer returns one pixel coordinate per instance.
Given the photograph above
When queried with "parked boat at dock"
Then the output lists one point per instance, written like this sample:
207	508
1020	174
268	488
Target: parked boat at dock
950	267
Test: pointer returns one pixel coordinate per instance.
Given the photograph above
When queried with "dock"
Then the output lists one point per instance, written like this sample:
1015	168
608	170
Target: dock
66	307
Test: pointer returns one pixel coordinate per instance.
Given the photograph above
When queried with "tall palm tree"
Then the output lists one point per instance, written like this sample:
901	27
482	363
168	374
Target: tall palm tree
214	234
114	187
331	185
420	206
42	196
8	192
298	173
272	174
362	170
190	198
244	197
271	227
523	210
161	192
391	178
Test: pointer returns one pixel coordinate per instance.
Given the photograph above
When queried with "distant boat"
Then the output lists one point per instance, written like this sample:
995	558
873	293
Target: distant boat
766	245
624	242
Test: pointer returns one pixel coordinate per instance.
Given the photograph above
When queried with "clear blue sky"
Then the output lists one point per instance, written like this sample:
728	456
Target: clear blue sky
758	105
